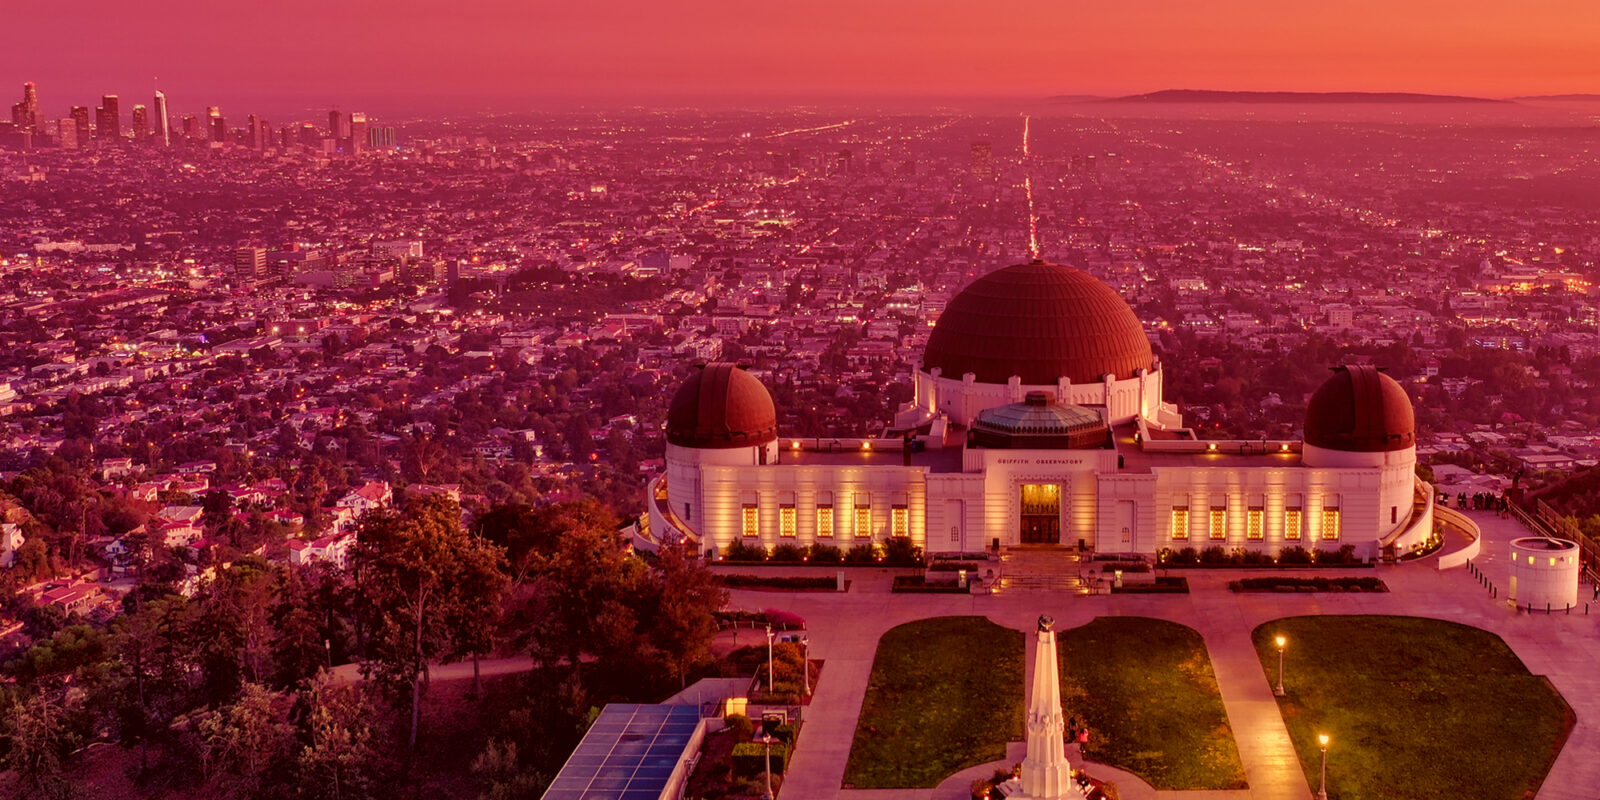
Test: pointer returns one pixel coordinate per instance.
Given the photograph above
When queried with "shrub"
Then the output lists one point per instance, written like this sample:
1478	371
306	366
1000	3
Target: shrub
1187	555
901	550
788	552
739	551
1294	555
1214	555
741	726
750	758
1250	557
861	554
825	554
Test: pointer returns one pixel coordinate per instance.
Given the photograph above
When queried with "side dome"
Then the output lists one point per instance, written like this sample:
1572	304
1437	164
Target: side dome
1039	321
1360	410
721	406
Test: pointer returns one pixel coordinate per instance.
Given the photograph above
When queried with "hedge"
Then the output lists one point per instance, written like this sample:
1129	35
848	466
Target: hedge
1277	583
785	582
750	758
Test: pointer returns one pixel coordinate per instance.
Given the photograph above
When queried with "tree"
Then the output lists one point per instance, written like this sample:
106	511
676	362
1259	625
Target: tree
340	760
248	740
151	643
39	739
685	598
420	576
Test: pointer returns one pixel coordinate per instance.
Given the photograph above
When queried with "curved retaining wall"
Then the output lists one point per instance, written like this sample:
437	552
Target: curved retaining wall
1455	519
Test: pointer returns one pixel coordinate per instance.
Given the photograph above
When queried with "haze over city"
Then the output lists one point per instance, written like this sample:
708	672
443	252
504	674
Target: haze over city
750	401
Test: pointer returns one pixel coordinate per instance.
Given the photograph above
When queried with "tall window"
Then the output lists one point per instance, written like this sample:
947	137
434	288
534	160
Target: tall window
1219	522
787	522
825	522
752	520
863	521
1253	524
900	520
1293	519
1180	522
1330	524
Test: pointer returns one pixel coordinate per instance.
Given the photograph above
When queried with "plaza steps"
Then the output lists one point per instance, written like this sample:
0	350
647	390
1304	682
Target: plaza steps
1041	569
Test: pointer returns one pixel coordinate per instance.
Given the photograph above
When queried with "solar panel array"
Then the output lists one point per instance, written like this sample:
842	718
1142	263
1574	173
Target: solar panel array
628	754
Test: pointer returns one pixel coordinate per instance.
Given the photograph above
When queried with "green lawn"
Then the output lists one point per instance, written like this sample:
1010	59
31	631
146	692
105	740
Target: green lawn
945	694
1414	708
1147	691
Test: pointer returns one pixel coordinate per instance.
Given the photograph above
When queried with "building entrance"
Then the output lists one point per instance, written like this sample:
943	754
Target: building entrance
1041	513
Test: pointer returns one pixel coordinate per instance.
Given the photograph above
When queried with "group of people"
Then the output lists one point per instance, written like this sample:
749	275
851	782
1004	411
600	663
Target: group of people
1485	501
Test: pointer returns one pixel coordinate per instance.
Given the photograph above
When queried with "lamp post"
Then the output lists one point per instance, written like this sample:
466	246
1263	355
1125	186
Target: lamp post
1278	690
805	668
769	657
766	739
1322	791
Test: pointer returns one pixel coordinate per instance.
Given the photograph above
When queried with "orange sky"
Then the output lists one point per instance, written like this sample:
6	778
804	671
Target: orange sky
644	49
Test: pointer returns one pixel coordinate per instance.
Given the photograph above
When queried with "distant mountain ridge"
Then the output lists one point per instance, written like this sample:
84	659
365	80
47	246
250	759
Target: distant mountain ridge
1210	96
1591	98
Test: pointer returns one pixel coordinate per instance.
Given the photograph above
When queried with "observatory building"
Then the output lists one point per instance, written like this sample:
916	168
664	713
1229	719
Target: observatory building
1038	419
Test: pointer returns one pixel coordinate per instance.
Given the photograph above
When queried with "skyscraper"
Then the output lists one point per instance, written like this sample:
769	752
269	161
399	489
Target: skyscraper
26	113
358	133
108	117
140	127
250	263
253	132
67	134
163	132
80	115
338	128
982	160
218	126
191	128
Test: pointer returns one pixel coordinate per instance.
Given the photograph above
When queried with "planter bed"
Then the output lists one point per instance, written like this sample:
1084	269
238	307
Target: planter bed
1353	565
1284	584
916	584
1163	585
781	583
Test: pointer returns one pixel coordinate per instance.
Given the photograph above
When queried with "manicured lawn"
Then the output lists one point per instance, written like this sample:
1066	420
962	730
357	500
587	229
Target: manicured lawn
1146	689
1414	708
945	694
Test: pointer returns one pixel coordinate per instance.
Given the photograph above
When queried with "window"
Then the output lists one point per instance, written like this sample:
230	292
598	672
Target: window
900	520
955	533
863	522
787	522
1180	522
1219	522
752	520
1394	514
825	522
1291	524
1253	524
1330	524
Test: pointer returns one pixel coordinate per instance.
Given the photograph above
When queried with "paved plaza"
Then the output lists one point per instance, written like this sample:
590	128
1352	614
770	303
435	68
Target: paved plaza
844	631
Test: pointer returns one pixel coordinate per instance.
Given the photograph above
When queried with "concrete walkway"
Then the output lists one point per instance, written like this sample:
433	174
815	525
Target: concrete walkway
845	630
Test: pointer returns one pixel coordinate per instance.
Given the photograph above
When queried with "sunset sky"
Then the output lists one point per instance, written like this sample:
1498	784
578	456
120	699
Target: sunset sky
410	51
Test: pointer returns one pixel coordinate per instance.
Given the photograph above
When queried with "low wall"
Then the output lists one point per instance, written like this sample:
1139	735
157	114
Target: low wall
1452	518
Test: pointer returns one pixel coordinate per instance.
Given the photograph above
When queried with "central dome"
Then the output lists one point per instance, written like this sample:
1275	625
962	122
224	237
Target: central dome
1041	322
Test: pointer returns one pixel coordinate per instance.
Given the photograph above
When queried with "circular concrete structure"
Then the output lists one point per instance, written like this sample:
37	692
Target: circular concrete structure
1544	573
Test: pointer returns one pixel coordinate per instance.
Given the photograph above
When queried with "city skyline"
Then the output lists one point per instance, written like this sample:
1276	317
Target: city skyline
502	54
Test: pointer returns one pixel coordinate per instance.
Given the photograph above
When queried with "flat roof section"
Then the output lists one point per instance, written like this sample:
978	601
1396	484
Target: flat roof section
935	459
1136	460
629	753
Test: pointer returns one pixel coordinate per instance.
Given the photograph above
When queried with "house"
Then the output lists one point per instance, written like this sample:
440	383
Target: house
11	540
73	597
333	549
116	467
372	495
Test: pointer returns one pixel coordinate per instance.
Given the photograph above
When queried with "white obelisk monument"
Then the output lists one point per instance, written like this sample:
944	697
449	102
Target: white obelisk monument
1045	772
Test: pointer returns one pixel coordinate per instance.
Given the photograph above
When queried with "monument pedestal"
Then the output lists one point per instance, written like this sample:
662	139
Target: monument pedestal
1046	773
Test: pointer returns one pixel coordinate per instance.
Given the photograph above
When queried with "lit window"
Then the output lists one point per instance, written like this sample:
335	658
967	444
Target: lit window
824	522
1330	524
863	522
1254	524
752	521
900	517
786	522
1291	524
1219	522
1180	522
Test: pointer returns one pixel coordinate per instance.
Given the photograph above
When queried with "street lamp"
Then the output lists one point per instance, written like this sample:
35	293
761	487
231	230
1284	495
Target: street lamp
805	669
766	739
769	657
1322	792
1278	690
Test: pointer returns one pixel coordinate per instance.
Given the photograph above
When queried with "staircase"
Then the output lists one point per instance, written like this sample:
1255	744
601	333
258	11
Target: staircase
1040	569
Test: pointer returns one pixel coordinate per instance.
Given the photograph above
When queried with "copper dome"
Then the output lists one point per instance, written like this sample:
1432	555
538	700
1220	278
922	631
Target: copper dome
1360	410
1041	322
720	406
